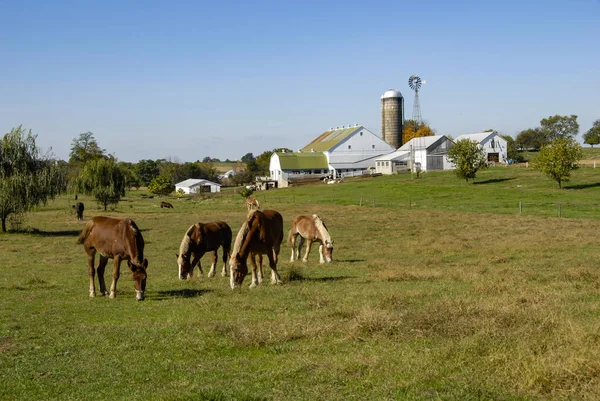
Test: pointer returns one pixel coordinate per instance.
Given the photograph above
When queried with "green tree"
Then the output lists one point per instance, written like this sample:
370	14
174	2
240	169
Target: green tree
146	171
27	178
559	127
592	136
558	159
468	157
247	157
85	148
161	185
131	178
103	179
512	151
530	139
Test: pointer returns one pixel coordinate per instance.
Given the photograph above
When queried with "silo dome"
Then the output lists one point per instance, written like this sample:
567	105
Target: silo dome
391	93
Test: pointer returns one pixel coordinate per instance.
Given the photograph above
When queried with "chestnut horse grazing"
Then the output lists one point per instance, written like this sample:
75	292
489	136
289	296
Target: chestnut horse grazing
313	229
261	233
252	203
118	239
199	239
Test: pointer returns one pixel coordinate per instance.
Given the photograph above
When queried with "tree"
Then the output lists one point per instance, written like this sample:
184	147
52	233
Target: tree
530	139
103	179
512	152
27	179
557	127
247	157
131	178
412	129
85	148
592	136
146	171
468	157
161	185
558	159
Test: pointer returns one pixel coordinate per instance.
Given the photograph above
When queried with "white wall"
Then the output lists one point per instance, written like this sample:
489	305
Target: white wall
357	147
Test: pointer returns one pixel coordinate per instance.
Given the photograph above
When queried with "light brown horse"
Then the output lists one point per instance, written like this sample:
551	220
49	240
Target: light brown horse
252	203
118	239
199	239
261	233
312	229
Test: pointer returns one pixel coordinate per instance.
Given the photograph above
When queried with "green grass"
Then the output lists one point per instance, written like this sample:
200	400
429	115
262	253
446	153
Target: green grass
455	297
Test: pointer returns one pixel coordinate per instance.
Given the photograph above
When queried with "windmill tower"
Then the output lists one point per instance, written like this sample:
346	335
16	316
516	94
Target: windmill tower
414	82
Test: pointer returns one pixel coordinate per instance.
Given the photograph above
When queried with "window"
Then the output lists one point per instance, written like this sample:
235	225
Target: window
372	146
349	146
361	133
387	164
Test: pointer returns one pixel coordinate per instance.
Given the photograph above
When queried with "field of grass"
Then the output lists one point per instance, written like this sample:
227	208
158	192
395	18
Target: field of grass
439	290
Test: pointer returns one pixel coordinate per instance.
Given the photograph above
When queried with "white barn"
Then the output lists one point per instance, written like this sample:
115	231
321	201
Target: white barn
428	153
197	185
492	144
341	152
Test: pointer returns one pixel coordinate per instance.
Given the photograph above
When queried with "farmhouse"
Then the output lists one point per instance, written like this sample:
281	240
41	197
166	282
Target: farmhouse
493	145
428	153
196	185
341	152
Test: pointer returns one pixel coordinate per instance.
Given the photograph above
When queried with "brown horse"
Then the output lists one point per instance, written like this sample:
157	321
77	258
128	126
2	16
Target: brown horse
118	239
199	239
313	229
252	203
261	233
166	205
78	208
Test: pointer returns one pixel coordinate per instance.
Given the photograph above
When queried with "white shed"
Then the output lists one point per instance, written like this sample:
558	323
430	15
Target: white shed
492	144
428	153
197	185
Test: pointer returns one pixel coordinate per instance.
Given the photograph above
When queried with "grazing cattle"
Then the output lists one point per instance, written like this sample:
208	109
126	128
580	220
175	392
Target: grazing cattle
78	208
313	229
252	203
166	205
199	239
118	239
261	233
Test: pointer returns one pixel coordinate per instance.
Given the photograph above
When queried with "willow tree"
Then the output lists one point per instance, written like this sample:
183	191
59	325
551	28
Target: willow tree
27	178
103	179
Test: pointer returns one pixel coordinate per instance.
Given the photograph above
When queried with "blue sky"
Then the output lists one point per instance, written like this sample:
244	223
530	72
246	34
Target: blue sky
185	80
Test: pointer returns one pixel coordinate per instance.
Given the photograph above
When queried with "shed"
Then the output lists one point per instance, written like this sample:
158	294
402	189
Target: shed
197	185
494	146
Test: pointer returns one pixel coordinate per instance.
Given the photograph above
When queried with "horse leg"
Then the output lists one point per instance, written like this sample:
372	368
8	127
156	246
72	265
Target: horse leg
321	256
195	262
92	272
293	246
215	258
275	277
115	277
100	271
226	255
254	282
308	244
260	268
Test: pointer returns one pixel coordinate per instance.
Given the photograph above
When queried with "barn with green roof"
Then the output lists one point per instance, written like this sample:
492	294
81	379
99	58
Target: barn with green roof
340	152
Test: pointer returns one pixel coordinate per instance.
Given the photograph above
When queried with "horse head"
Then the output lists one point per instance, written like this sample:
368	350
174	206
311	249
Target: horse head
185	266
328	250
139	278
238	267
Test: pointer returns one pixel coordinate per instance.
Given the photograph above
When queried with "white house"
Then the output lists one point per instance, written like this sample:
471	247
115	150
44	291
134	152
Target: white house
493	145
428	153
196	185
344	151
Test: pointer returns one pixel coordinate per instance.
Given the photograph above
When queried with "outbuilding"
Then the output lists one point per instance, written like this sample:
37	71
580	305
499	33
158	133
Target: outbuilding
492	144
197	185
426	153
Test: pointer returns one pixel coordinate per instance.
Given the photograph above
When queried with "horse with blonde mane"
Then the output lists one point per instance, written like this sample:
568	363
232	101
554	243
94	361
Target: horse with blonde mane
199	239
252	203
313	229
261	233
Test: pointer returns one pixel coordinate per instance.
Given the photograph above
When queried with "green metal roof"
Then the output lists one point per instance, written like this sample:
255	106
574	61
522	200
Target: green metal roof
301	161
329	139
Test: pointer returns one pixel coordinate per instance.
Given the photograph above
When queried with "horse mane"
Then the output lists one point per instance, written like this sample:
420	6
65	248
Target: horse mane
321	228
239	239
184	247
85	232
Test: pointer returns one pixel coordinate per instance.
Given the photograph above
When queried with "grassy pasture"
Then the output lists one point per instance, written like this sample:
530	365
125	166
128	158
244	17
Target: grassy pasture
452	296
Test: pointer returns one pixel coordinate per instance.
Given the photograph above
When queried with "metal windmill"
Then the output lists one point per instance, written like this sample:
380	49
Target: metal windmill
414	82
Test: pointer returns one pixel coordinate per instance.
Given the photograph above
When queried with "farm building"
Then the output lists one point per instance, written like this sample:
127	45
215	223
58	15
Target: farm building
340	152
196	185
493	145
428	153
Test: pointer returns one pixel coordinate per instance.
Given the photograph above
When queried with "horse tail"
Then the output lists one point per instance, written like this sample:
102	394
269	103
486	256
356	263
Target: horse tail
86	231
290	238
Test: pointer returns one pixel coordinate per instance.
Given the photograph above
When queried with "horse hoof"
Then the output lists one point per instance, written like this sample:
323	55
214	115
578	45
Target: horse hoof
112	295
252	285
92	294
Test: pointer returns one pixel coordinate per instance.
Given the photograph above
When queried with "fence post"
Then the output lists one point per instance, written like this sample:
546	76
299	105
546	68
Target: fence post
373	201
361	201
520	207
332	199
409	204
559	209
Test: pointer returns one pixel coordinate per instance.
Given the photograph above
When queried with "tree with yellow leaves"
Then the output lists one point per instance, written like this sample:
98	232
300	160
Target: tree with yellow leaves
413	129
